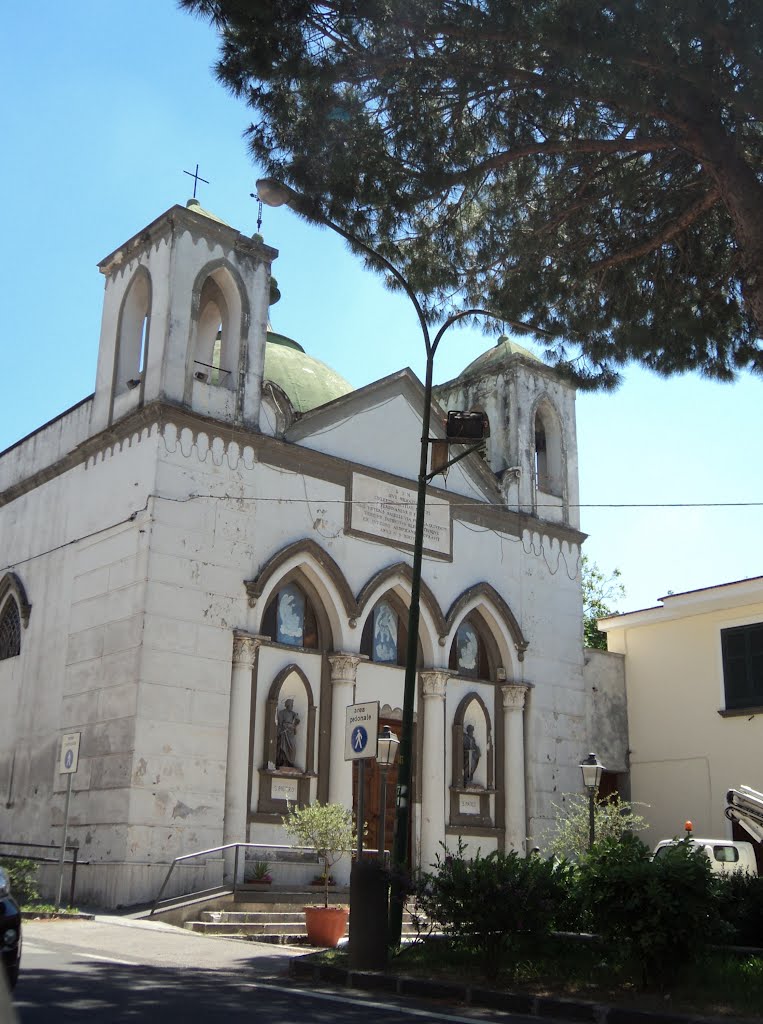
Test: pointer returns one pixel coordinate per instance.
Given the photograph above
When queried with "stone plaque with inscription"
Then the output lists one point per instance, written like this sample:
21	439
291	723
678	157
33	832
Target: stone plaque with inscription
387	512
284	789
468	803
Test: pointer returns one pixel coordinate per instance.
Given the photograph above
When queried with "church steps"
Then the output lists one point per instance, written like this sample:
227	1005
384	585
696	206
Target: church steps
274	924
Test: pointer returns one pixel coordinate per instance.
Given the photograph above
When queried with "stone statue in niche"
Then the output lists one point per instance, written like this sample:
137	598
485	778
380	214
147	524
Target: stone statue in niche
472	754
286	730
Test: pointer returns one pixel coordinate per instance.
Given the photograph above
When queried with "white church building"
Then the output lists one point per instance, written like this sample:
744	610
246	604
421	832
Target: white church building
218	530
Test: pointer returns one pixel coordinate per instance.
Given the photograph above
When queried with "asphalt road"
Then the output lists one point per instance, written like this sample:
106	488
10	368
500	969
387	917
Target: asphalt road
107	971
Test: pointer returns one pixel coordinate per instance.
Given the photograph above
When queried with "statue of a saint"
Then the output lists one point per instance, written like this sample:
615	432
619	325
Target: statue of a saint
286	747
472	754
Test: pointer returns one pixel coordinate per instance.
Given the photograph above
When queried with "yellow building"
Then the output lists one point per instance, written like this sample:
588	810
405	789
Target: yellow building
694	683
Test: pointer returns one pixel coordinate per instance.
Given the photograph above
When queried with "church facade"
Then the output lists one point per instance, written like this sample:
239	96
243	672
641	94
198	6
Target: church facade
208	560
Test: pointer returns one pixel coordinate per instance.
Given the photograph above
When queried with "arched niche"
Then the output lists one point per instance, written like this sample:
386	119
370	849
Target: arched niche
502	632
133	333
473	651
290	709
220	315
396	579
470	794
319	571
283	599
548	448
386	624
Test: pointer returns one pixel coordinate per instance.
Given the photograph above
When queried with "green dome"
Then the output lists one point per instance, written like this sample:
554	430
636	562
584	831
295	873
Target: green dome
308	382
497	356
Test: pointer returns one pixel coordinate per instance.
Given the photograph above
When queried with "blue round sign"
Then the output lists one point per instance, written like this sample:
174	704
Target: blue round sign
69	758
359	738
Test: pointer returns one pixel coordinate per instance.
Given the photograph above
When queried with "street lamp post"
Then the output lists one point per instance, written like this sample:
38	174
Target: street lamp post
591	770
388	745
276	193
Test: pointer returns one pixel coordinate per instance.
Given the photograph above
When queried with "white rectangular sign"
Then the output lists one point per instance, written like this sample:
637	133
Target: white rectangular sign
468	804
67	764
387	512
284	789
361	731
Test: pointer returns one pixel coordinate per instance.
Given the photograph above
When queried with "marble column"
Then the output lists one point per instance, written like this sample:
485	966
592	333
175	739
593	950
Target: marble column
343	674
514	765
432	766
239	723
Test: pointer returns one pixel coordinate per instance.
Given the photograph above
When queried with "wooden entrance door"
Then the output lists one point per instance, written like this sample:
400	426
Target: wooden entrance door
372	795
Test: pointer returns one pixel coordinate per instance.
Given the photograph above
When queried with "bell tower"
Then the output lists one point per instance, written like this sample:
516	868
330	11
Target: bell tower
184	320
532	447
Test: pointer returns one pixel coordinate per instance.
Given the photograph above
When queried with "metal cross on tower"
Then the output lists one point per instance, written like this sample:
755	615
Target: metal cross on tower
196	178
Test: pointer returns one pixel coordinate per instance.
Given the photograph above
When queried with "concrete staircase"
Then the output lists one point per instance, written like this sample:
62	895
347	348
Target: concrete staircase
269	916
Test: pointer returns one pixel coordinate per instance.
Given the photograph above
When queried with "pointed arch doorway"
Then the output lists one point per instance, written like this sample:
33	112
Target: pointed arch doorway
372	810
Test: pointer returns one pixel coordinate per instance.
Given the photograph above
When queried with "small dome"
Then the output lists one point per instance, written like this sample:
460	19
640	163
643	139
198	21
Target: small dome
497	356
196	207
307	382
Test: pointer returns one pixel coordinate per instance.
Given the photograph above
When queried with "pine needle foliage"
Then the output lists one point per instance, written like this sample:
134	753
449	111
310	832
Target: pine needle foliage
594	170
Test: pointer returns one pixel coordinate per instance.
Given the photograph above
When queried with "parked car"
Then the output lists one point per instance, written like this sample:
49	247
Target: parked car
724	854
10	930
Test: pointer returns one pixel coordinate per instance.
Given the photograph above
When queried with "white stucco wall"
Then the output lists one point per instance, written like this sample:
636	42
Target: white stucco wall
134	559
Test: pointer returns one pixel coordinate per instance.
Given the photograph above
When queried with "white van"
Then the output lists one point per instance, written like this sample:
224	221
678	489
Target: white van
724	854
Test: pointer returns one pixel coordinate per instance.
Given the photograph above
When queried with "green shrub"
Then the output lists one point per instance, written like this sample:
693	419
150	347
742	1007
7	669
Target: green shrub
662	912
741	907
613	818
23	877
486	902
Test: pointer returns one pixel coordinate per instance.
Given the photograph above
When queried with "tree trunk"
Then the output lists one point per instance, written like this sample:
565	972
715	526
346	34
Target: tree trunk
742	195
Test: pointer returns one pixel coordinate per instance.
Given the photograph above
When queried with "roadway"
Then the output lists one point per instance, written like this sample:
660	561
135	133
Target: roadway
112	970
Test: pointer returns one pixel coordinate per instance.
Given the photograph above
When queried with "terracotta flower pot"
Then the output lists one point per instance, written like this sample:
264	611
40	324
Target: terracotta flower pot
325	925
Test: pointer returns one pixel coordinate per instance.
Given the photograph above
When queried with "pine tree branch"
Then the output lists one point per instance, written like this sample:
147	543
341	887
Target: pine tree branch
669	232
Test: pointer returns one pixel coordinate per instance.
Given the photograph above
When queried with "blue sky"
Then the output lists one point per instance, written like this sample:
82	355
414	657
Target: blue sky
108	101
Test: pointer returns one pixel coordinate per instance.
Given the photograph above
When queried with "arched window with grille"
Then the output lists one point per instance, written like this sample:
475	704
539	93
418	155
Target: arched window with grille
10	629
14	614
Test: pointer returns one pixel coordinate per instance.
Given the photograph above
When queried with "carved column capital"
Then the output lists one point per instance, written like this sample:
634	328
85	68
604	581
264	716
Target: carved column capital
344	667
245	647
514	696
434	683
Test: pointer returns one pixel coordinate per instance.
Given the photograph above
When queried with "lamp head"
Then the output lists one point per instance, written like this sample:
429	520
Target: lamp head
387	747
591	770
272	192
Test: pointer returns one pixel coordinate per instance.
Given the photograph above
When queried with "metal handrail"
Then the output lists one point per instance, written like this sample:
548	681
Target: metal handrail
48	860
218	849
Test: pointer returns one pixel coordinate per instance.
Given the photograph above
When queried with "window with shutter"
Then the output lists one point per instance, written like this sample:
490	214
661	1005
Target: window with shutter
742	649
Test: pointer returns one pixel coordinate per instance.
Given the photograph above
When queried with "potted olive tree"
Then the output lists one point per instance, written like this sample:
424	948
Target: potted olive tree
328	828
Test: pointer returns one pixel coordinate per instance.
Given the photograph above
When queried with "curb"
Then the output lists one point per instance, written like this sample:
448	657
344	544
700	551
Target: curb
54	915
543	1007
